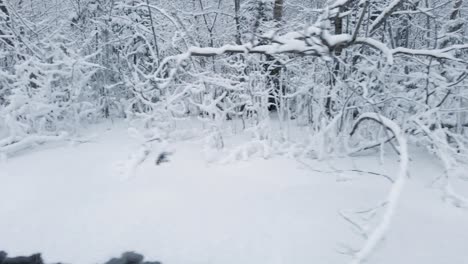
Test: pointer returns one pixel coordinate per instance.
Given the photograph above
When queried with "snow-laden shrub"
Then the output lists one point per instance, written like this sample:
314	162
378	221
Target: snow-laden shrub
47	96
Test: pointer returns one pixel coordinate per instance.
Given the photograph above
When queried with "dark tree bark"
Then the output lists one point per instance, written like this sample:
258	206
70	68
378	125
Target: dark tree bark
278	11
237	20
275	66
6	15
455	14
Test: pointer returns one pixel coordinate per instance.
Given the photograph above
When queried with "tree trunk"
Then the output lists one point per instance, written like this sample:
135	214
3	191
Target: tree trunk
156	47
275	66
237	20
336	69
278	11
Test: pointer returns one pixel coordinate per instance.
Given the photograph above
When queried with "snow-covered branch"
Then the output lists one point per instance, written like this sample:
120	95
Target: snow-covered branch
393	197
445	53
29	142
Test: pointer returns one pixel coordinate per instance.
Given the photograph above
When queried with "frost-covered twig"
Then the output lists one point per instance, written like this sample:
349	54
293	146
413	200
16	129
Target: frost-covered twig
343	171
370	145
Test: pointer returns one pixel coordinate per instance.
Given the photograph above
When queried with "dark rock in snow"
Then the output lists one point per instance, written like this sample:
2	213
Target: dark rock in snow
163	157
126	258
130	258
33	259
3	256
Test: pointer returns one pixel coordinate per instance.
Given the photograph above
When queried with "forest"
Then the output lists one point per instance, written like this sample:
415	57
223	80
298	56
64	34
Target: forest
344	89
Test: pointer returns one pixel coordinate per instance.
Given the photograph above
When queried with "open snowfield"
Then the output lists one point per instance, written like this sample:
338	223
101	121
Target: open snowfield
75	203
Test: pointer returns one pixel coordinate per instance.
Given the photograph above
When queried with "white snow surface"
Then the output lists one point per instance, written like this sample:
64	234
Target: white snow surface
71	203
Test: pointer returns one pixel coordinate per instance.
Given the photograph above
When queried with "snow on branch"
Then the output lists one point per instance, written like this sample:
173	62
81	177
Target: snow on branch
393	197
316	45
434	53
317	42
313	41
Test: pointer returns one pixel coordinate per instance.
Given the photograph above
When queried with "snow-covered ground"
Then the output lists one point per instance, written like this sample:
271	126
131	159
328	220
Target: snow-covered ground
75	203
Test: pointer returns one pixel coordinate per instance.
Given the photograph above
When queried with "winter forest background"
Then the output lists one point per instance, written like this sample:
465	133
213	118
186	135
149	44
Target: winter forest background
309	79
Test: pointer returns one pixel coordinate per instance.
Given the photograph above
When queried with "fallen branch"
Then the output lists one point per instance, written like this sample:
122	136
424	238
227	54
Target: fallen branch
378	234
364	118
343	171
371	146
28	142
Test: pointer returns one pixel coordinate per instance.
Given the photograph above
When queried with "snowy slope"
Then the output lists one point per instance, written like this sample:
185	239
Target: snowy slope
72	204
